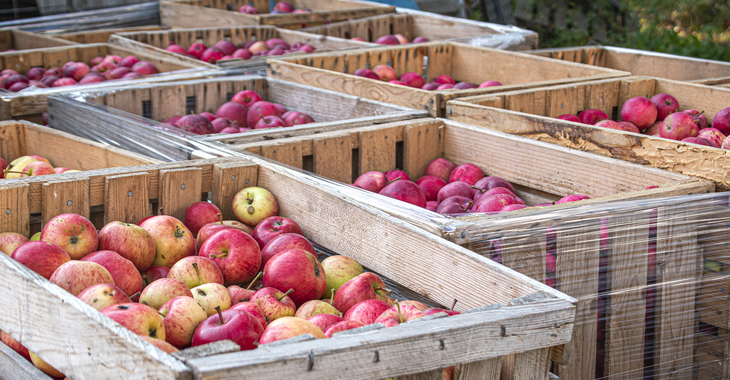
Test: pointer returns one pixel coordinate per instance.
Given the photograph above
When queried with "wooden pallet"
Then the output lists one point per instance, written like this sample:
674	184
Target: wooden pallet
532	114
332	71
331	110
541	173
88	346
640	62
21	40
159	40
22	106
420	24
204	13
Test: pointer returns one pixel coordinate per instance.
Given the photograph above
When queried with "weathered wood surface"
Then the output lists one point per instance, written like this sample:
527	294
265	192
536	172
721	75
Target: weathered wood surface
102	35
22	40
12	363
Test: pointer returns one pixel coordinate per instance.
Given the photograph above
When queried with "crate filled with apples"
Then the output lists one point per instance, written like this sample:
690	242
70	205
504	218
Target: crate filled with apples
13	40
422	64
228	110
667	124
31	76
253	272
232	45
418	27
295	14
472	185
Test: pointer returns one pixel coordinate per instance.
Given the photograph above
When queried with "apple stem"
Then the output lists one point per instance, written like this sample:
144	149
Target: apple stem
394	179
254	280
453	305
197	272
220	313
468	204
133	296
14	172
220	218
478	188
332	297
400	317
162	315
285	294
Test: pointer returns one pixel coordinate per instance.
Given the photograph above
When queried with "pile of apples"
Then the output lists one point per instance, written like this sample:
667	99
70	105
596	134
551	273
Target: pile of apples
99	69
29	166
246	111
223	50
660	117
281	7
395	39
177	284
411	79
450	189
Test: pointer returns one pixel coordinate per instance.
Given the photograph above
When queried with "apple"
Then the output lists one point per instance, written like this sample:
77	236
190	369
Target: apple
246	97
211	229
441	168
339	270
199	214
127	61
254	204
227	47
16	167
433	310
385	73
252	309
272	227
431	185
173	241
395	174
342	326
44	367
238	326
14	344
195	271
299	270
236	254
200	125
371	181
367	311
258	47
248	9
73	233
9	241
399	314
411	79
212	295
283	6
289	327
138	318
37	237
284	242
130	241
387	40
125	275
405	191
75	276
274	303
160	291
196	50
182	315
161	344
100	296
154	273
38	168
418	305
315	307
236	112
468	173
640	111
324	321
360	288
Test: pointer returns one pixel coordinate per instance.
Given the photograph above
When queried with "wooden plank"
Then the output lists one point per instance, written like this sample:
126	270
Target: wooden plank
439	61
289	153
127	197
228	179
167	101
20	368
532	364
480	370
63	197
422	143
16	216
179	188
377	149
525	254
430	375
561	101
333	157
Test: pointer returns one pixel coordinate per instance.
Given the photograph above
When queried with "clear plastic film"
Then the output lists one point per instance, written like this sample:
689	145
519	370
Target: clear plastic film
118	17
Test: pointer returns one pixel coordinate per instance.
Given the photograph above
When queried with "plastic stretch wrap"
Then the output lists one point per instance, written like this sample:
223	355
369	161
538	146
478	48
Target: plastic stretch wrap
506	41
118	17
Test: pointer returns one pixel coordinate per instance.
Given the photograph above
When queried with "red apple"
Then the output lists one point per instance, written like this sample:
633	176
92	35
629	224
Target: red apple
173	241
274	303
160	291
76	71
246	97
236	112
14	344
161	344
299	270
272	227
433	310
399	314
285	242
324	321
199	214
75	276
212	295
405	191
289	327
363	287
395	174
371	181
195	271
292	118
182	315
100	296
431	185
211	229
259	110
315	307
412	80
235	325
236	253
138	318
387	40
196	50
9	241
130	241
441	168
367	311
45	367
73	233
154	273
200	125
252	309
254	204
385	73
468	173
342	326
269	122
125	275
244	54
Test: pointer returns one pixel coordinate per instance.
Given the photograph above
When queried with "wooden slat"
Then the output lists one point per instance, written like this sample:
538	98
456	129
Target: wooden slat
333	157
167	101
62	197
21	369
289	153
532	364
228	179
16	214
480	370
127	197
430	375
179	188
377	149
422	143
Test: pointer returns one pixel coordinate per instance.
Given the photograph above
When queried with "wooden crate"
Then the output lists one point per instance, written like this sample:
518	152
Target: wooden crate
204	13
429	25
158	40
102	35
541	173
21	40
29	106
649	63
88	346
532	114
332	71
126	117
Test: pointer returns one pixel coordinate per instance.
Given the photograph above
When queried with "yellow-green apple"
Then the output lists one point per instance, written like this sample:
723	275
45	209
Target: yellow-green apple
399	314
238	326
362	287
45	367
274	303
252	309
37	168
100	296
289	327
160	291
14	344
36	237
195	271
239	294
285	242
211	229
73	233
41	257
272	227
199	214
123	272
433	310
75	276
236	253
299	270
182	317
161	344
211	296
366	312
9	241
339	269
324	321
130	241
315	307
418	305
154	273
173	241
138	318
254	204
342	326
16	166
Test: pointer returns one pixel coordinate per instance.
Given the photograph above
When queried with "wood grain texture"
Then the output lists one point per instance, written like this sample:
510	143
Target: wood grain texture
179	188
532	364
127	197
333	157
11	363
228	179
63	197
377	149
479	370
